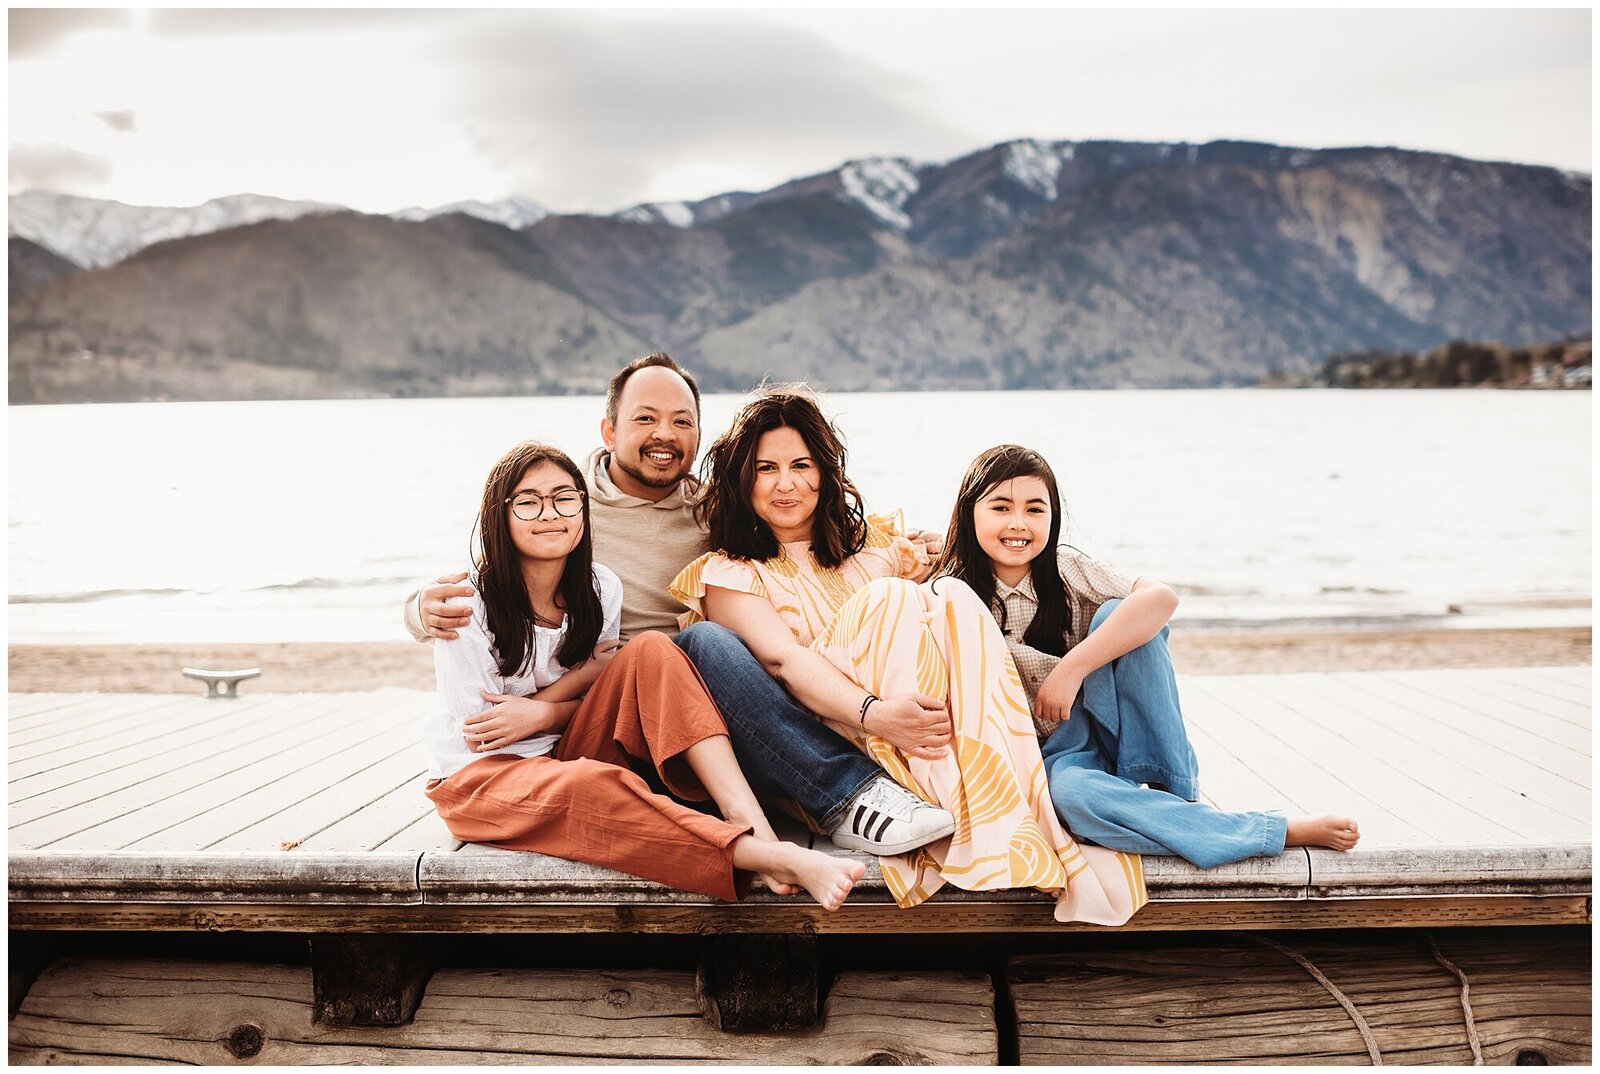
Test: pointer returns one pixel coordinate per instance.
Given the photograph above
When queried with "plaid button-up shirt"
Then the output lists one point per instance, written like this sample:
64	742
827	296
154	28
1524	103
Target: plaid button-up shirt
1089	584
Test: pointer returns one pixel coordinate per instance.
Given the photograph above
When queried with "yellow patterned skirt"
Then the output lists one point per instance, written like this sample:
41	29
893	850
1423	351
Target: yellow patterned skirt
897	637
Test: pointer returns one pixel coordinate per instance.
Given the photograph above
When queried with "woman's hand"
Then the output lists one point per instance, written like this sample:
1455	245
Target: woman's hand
930	544
512	719
914	724
930	541
1058	693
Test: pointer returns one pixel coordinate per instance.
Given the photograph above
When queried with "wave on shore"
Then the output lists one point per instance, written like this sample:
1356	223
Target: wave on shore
330	609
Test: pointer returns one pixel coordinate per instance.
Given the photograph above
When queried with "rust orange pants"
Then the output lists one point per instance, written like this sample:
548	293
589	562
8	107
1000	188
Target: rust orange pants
582	802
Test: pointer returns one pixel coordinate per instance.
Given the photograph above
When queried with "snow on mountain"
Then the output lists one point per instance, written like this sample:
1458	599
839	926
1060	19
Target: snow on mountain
513	212
720	205
1035	165
676	213
93	233
883	185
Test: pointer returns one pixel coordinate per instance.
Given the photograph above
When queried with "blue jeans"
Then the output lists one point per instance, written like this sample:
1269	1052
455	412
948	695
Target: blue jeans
1127	729
784	750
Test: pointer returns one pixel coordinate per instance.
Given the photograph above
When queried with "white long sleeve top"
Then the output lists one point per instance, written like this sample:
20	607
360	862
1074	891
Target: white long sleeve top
469	664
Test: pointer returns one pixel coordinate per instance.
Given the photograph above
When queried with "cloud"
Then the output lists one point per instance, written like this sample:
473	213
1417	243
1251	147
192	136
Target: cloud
120	121
591	112
202	22
34	30
56	167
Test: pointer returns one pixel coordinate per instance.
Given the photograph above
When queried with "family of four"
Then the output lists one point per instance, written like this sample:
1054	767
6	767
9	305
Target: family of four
988	708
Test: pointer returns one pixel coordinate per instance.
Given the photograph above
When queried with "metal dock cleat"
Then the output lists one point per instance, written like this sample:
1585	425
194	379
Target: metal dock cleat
221	683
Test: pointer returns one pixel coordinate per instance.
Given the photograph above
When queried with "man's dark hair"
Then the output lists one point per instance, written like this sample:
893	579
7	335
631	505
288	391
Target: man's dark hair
660	358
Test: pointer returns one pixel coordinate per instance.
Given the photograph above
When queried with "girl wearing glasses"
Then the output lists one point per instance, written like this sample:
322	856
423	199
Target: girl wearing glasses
539	713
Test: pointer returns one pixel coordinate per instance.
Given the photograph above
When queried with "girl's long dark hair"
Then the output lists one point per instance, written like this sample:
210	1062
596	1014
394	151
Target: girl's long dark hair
500	584
964	559
839	527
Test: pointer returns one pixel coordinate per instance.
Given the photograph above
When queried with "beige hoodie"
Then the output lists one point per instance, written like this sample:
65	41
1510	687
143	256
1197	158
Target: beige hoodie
645	543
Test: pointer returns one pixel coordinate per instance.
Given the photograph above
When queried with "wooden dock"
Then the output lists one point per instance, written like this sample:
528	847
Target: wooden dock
305	812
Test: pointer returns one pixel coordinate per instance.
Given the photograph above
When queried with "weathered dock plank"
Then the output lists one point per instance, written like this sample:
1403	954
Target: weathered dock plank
289	880
1242	1002
1426	740
1551	719
480	875
163	795
195	735
219	1014
1488	870
1574	684
30	709
1461	802
194	744
119	721
1229	783
1458	707
425	833
1456	829
339	801
1266	747
359	913
1355	753
32	714
384	820
1524	692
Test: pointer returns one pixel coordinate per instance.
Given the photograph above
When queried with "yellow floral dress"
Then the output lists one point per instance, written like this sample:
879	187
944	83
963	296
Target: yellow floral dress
892	636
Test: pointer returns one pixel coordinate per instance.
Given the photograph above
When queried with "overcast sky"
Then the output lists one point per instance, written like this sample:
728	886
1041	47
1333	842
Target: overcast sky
595	111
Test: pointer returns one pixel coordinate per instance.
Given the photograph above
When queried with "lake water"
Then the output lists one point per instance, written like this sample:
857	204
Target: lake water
311	520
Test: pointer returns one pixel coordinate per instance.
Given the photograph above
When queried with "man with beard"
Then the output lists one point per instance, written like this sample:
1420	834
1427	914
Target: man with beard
642	514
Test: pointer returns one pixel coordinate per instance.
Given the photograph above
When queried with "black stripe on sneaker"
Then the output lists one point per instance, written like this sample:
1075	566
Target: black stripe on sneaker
878	837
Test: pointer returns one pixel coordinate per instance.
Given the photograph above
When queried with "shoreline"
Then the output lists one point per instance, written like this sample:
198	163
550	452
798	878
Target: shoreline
294	667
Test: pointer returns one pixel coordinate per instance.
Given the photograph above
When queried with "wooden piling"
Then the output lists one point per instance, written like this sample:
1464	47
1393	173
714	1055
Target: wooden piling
118	1011
1238	1001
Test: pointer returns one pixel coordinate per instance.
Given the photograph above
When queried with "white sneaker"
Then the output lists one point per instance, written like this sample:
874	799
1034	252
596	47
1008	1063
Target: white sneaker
885	818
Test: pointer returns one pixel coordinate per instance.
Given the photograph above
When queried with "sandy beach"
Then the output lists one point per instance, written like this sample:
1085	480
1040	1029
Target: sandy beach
289	667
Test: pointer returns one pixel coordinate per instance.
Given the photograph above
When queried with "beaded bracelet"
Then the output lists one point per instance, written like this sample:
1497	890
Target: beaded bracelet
870	698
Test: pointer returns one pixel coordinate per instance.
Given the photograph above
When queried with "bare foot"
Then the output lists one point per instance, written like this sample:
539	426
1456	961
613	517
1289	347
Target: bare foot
1328	830
778	887
828	879
761	829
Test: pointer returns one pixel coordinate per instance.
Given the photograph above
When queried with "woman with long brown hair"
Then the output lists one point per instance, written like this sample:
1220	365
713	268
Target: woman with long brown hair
828	598
539	714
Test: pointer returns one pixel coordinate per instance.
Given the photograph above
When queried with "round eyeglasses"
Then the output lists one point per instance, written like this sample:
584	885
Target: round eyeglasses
530	505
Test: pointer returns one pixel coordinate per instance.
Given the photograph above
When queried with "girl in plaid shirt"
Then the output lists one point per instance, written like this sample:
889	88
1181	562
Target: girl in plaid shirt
1090	645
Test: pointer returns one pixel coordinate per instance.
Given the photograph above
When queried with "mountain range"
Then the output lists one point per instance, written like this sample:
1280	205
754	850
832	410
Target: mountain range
1029	264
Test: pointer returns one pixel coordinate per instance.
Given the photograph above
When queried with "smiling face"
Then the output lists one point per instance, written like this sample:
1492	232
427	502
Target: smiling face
550	535
656	434
1012	524
784	493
